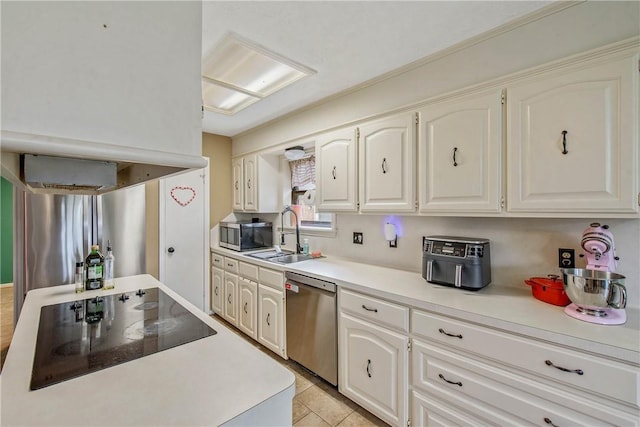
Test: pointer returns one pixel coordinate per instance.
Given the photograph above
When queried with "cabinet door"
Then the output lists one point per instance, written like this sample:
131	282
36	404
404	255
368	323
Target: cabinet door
238	184
271	324
572	143
251	183
217	291
427	411
460	159
230	295
336	171
387	164
374	368
247	307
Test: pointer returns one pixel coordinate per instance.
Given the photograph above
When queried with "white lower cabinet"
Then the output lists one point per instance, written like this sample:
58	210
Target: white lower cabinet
428	411
471	375
373	364
271	324
230	312
247	307
217	290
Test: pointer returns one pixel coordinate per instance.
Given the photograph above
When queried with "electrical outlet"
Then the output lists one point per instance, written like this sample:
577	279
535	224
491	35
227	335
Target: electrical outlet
566	258
358	238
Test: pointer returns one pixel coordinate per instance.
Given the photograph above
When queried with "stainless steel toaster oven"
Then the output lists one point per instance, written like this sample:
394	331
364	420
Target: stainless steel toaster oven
462	262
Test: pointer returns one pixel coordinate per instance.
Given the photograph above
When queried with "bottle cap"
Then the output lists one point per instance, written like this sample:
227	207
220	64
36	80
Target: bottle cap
79	264
95	247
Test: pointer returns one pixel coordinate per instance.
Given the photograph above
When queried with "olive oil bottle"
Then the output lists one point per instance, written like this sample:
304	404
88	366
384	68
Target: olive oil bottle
94	266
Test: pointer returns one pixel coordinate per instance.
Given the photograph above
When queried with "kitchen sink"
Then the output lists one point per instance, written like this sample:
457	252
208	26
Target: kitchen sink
291	258
267	255
284	257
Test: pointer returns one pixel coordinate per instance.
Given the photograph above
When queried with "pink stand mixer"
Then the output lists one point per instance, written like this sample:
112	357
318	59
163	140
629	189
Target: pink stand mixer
597	292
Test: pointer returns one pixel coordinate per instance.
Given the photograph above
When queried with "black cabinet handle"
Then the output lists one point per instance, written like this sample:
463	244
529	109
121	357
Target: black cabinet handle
455	149
236	184
368	367
215	291
245	307
442	331
548	421
229	299
384	165
268	316
575	371
333	172
458	383
171	250
564	142
375	310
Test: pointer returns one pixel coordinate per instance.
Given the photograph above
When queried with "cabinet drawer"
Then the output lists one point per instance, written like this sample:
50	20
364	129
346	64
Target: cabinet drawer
231	265
591	373
217	260
272	278
377	310
459	378
248	271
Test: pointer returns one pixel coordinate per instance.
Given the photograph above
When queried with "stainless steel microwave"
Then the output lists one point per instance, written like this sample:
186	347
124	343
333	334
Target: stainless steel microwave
245	236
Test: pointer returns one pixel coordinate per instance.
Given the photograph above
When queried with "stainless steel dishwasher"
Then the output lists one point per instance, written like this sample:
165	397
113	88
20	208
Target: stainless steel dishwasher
312	331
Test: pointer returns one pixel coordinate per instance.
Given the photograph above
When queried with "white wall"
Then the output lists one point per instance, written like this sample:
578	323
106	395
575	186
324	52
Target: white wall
520	247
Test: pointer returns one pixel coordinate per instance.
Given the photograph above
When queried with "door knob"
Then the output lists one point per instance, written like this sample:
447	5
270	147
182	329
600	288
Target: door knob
171	250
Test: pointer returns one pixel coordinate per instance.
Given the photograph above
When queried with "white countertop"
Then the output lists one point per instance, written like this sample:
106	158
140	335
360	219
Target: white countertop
508	307
210	381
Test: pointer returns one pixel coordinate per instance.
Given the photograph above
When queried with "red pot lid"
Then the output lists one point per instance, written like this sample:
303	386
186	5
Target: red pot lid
553	282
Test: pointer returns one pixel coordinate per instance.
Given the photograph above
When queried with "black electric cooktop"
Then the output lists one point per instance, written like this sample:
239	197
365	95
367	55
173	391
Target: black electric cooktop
84	336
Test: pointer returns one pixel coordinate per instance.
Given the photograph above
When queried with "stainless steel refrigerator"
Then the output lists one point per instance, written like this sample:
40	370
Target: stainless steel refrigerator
52	232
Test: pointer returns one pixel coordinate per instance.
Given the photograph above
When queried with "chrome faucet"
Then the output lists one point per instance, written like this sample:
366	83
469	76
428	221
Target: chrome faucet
288	209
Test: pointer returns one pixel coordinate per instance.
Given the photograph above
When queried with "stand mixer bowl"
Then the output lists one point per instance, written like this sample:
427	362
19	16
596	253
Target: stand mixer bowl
594	291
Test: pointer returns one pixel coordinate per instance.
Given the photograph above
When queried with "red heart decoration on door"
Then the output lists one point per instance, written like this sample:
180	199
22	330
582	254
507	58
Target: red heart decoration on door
183	195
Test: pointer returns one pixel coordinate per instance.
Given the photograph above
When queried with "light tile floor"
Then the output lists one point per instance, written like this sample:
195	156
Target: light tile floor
317	403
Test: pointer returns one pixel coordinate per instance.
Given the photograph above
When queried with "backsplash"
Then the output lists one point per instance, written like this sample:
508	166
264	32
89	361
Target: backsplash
520	247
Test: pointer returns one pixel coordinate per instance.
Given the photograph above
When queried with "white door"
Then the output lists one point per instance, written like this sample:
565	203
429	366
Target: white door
460	154
336	171
184	235
387	164
271	311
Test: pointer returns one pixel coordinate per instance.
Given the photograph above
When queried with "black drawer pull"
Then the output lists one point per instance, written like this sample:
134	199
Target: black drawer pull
245	308
458	383
369	366
215	291
548	421
375	310
575	371
442	331
229	298
268	317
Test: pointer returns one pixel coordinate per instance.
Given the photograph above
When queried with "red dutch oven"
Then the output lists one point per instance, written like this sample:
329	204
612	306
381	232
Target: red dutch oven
549	289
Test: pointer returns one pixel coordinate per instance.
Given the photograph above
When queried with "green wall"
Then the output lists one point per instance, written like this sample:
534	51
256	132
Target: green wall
6	231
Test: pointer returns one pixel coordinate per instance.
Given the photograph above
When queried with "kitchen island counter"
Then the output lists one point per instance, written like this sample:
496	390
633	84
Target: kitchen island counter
217	380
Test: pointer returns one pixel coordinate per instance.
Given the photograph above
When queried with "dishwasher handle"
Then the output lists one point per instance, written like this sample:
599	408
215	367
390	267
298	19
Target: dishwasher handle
295	279
295	286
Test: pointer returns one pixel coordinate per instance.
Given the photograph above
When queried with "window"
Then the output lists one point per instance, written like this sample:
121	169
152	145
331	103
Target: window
303	187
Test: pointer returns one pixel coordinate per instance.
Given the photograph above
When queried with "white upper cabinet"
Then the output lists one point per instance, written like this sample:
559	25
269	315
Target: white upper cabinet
238	183
336	171
387	150
572	140
460	149
255	183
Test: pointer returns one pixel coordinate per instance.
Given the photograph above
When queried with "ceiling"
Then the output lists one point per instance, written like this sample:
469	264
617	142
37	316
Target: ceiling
346	43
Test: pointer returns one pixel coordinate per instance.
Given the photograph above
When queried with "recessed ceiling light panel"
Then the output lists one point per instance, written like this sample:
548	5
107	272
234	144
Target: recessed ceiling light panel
239	66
